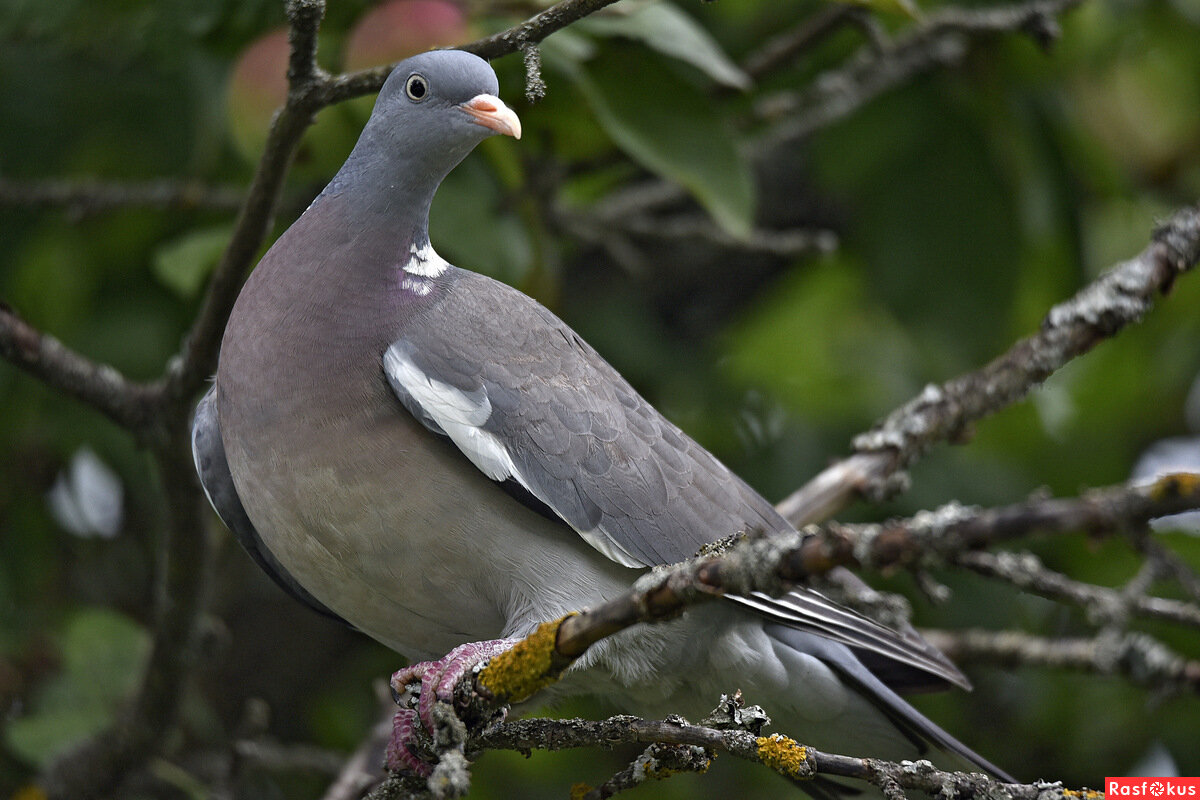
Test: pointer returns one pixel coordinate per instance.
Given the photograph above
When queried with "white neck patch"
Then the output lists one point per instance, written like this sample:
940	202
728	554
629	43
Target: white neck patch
424	261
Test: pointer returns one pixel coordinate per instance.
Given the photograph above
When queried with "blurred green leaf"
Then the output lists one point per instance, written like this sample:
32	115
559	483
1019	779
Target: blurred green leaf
670	31
102	653
818	343
467	199
673	129
183	264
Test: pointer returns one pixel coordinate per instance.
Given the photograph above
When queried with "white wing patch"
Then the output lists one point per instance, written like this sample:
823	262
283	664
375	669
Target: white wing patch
459	414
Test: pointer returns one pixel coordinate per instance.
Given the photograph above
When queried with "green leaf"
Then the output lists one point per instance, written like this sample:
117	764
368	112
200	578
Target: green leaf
184	263
671	128
667	29
103	653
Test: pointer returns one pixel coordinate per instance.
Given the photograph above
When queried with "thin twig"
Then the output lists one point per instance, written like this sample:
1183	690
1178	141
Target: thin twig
1136	656
1102	604
86	196
784	47
942	40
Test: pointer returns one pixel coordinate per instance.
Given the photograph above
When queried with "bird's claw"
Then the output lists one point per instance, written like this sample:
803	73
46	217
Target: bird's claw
431	681
400	752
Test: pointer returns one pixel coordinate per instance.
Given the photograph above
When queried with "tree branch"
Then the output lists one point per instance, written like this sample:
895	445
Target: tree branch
782	48
785	756
198	360
944	413
942	40
1103	605
536	28
100	386
1137	657
956	529
83	197
772	564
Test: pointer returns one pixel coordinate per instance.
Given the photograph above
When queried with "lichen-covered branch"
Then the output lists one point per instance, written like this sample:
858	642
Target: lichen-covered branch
1102	605
787	757
956	529
771	564
1135	656
944	413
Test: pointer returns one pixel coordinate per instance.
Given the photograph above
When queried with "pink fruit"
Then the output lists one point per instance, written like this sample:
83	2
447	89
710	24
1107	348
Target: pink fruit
399	28
257	87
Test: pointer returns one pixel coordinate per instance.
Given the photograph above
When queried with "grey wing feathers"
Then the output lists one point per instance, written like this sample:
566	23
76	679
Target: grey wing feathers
209	453
919	730
527	401
809	610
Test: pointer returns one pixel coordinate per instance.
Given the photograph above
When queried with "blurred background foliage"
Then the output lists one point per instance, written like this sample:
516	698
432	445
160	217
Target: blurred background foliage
965	203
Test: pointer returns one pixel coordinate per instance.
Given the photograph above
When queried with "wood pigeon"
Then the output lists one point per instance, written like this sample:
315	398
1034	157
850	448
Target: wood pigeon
436	459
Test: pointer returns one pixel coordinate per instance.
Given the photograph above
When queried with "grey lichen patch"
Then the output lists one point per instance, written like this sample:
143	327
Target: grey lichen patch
451	777
732	713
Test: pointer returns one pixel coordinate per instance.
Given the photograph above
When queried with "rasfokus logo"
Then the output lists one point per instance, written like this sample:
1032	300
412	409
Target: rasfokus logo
1152	788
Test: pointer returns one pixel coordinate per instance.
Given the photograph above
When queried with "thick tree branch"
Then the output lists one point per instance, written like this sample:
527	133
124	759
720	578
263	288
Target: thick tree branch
98	764
186	375
1116	299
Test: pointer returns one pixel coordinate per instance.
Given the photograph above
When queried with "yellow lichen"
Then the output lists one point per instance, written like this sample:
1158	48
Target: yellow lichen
1175	485
516	674
784	755
30	792
579	791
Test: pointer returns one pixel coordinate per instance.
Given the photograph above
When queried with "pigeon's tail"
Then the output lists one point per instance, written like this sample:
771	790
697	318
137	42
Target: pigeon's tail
915	726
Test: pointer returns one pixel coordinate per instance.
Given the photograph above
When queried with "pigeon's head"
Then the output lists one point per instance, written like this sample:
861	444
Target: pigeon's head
436	106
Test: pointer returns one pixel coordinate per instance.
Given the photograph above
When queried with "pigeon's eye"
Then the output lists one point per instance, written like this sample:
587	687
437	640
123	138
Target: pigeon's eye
416	87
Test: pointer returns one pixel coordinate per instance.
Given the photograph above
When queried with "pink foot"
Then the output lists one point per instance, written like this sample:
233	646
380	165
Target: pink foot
431	681
399	755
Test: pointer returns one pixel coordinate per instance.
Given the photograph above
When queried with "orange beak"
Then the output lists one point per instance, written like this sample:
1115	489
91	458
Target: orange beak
490	112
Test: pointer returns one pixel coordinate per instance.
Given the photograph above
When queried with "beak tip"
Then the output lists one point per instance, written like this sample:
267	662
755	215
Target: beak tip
490	112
